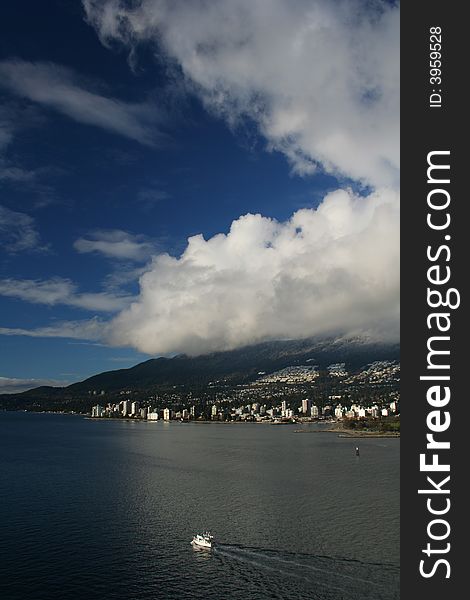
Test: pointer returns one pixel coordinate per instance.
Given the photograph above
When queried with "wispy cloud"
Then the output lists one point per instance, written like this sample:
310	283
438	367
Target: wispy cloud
116	244
15	385
320	79
11	120
57	290
13	173
35	181
7	126
123	275
61	89
150	196
18	232
91	329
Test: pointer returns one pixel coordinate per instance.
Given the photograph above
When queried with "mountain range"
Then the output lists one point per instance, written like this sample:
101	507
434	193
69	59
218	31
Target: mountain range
233	366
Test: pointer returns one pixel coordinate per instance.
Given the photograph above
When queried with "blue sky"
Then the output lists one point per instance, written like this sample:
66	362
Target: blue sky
112	153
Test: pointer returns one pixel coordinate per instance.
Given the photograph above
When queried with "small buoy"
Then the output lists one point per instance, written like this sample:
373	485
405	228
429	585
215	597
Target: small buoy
357	450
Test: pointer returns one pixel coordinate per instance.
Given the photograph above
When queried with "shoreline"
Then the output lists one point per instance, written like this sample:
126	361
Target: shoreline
342	433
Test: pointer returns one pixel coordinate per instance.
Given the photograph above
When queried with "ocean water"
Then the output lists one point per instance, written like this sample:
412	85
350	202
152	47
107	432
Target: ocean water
103	509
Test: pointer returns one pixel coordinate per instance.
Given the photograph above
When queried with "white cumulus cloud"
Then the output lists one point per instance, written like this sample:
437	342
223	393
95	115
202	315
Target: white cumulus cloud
329	270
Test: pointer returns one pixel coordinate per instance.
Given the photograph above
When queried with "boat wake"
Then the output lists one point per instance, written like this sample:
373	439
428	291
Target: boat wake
324	577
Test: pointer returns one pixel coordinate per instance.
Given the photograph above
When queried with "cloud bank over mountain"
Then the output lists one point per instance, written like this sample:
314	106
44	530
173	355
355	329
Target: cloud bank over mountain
326	271
320	81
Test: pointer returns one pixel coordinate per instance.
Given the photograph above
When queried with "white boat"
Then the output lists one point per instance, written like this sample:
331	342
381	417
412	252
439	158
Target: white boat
204	540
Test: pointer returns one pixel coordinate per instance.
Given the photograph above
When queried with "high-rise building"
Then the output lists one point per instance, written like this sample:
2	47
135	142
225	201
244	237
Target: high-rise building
97	411
306	406
135	408
214	410
167	414
314	411
126	408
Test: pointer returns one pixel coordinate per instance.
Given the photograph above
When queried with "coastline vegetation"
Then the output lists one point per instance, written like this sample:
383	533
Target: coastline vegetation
383	425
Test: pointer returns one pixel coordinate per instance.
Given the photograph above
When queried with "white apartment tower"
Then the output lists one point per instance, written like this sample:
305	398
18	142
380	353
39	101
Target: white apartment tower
314	411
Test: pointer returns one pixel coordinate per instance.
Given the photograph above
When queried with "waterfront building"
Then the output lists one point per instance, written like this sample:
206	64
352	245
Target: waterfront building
306	406
167	414
97	411
135	408
314	411
126	408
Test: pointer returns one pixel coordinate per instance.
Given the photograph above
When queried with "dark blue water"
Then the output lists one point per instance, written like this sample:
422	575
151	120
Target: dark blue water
106	510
